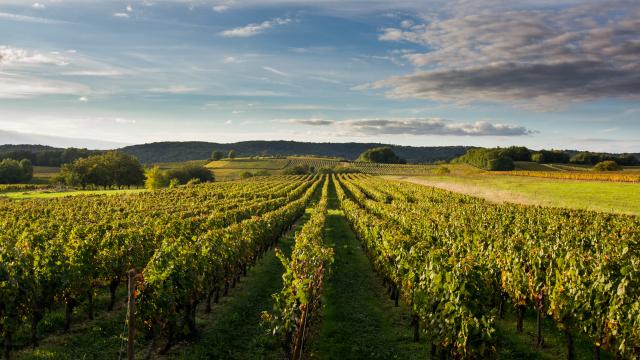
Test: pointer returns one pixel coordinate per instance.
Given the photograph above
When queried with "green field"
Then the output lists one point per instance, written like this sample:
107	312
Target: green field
51	194
576	194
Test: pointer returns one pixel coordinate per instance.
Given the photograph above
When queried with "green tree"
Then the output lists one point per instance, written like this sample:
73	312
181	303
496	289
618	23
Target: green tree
27	170
156	179
232	154
383	155
216	155
11	172
109	169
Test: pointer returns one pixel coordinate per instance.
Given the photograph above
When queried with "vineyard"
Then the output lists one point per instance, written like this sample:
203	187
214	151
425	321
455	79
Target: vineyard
453	264
189	245
459	261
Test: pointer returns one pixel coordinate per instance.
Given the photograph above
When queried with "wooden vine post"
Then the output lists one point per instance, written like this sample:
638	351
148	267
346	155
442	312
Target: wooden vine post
131	313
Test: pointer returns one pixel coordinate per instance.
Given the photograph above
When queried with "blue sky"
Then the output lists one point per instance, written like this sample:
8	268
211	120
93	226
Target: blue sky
561	74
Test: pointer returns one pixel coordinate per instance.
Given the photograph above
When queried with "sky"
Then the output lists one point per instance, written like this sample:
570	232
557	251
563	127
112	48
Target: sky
561	74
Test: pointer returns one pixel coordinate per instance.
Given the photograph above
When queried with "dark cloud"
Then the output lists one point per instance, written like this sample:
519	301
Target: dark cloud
543	83
313	122
546	54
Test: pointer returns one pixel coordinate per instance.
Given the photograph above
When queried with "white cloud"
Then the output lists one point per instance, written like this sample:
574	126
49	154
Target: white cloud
38	6
10	56
275	71
124	121
255	29
220	8
129	8
237	112
406	23
121	15
231	60
83	99
173	89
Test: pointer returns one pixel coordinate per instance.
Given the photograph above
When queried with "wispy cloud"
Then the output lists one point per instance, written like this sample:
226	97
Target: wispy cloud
121	15
173	89
275	71
24	87
255	29
38	6
31	19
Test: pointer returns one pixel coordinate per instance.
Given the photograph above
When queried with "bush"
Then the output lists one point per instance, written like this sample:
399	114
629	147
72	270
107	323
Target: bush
193	182
607	165
174	183
441	170
262	173
246	175
188	172
302	169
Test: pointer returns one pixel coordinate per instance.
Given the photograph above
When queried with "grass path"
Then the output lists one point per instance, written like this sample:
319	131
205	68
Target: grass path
359	320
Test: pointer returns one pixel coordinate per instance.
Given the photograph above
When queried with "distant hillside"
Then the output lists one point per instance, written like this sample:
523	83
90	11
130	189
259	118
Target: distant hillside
182	151
32	148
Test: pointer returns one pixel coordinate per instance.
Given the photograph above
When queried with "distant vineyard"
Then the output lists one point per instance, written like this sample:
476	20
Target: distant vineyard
188	244
630	176
366	167
458	261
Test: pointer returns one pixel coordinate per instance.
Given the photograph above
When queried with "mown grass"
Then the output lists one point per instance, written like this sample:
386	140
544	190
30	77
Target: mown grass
359	321
249	164
592	195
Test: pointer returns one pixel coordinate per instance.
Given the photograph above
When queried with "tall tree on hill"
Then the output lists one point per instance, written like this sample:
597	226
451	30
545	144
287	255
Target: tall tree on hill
216	155
232	154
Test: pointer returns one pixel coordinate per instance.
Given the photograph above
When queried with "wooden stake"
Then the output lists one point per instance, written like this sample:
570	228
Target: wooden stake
132	310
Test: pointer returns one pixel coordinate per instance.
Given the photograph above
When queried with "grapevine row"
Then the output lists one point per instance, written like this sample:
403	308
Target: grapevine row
456	259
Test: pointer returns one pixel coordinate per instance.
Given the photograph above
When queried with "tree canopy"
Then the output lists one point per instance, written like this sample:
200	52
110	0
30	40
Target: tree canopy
109	169
13	171
383	155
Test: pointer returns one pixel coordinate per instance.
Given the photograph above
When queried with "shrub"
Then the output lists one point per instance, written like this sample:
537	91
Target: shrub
607	165
174	183
297	170
188	172
441	170
156	179
246	175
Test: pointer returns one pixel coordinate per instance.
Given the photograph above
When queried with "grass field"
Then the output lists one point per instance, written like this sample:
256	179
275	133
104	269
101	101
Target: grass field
601	196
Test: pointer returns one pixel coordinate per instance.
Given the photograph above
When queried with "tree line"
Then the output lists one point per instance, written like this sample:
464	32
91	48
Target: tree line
501	159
